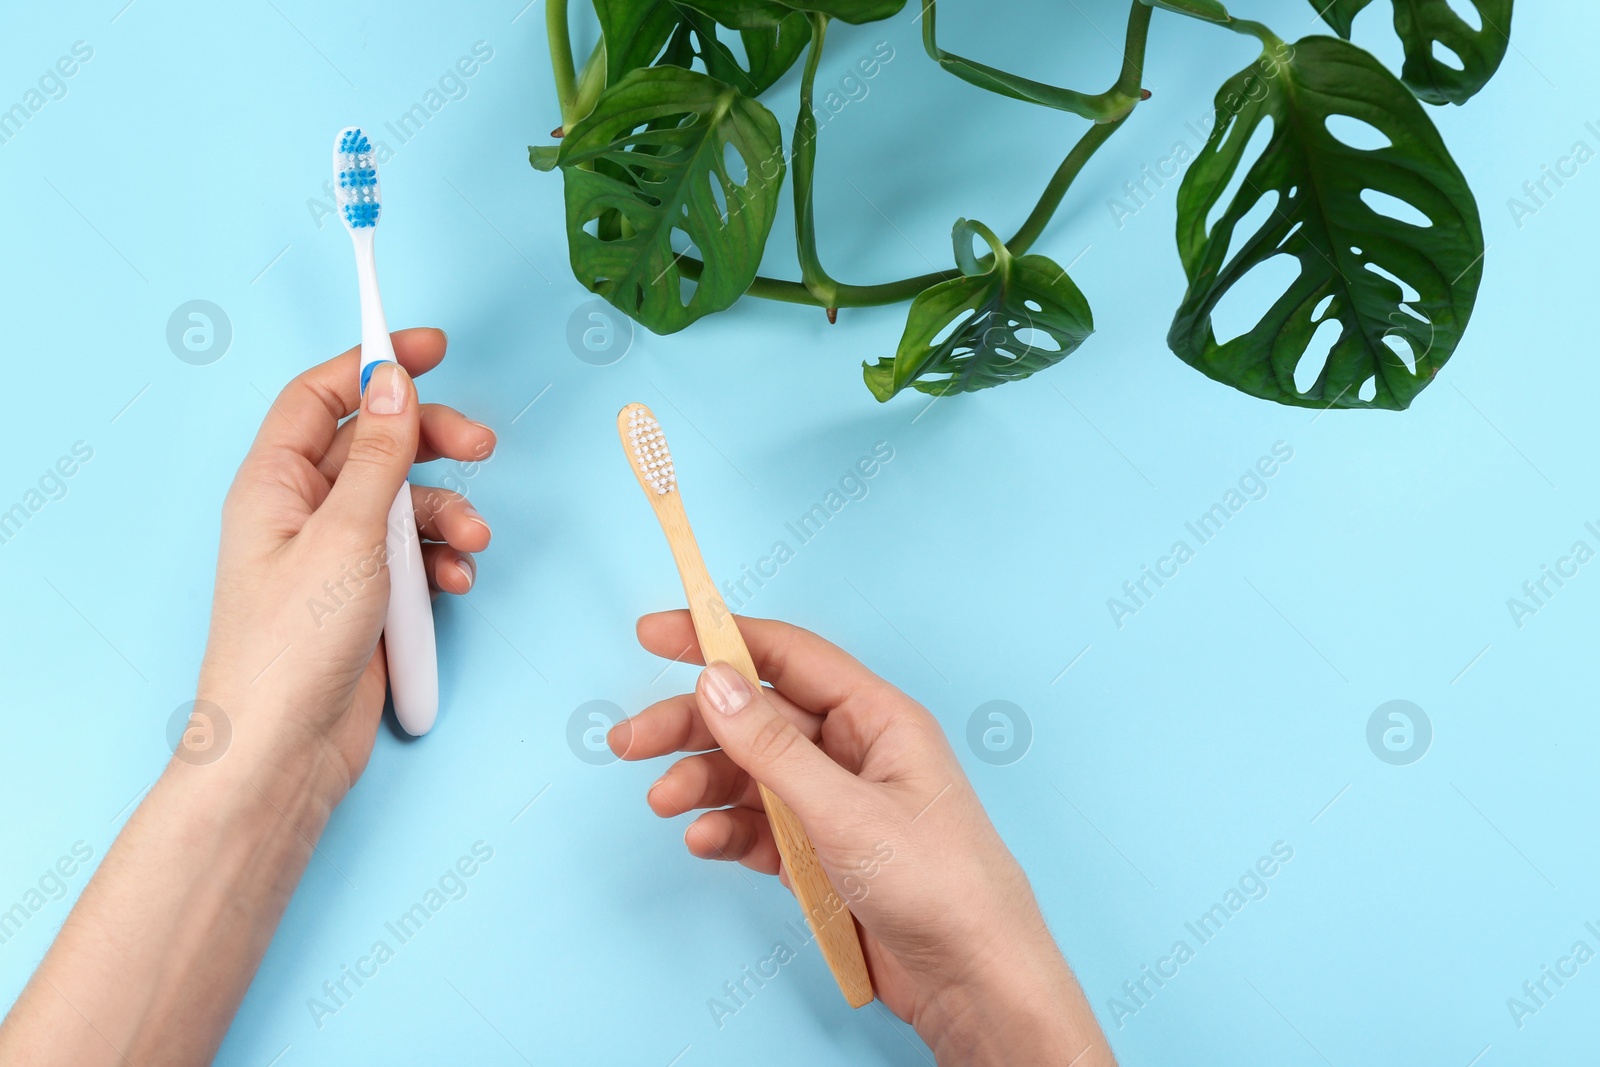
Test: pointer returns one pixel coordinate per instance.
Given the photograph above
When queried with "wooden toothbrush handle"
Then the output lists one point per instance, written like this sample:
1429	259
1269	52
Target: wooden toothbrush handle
826	912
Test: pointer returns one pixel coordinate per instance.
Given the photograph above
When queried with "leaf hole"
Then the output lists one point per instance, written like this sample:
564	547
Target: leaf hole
1357	133
1369	388
1259	215
734	165
1036	340
1467	12
1314	359
1259	139
1238	310
1446	56
1415	314
950	327
1407	294
1395	208
1033	305
718	196
686	289
1400	344
1321	308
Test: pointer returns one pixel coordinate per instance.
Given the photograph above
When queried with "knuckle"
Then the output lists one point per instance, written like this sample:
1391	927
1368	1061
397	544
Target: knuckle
380	449
774	741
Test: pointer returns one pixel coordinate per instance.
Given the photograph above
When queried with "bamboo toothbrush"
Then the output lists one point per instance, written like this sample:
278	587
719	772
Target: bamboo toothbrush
830	919
408	628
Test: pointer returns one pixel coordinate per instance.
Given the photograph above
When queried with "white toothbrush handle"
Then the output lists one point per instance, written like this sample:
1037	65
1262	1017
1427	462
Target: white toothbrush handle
408	627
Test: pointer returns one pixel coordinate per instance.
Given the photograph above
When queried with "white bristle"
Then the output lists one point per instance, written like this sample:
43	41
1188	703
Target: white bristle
650	452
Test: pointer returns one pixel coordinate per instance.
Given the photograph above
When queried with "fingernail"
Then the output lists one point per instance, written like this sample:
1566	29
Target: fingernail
468	570
386	389
725	688
470	512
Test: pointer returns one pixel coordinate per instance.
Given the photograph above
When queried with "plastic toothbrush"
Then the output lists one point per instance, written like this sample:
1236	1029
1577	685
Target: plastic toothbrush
408	628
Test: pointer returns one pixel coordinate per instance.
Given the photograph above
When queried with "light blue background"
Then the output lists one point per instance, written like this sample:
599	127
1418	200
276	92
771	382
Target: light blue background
1229	714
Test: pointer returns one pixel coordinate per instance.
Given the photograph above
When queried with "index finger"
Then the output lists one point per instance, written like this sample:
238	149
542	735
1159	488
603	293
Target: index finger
305	416
813	672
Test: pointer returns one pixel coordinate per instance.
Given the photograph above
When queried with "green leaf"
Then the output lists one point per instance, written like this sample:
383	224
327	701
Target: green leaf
1006	318
742	14
1423	23
769	50
750	14
642	33
635	33
1340	14
1348	253
544	157
653	154
1210	10
852	11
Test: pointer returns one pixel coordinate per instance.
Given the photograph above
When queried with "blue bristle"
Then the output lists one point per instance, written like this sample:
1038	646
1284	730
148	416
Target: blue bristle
362	214
358	178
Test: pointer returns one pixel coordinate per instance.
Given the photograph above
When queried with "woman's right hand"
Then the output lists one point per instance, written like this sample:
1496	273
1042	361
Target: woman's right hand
953	936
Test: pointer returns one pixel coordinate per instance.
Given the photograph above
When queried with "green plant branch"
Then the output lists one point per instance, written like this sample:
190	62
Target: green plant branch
1112	104
591	83
1130	81
834	294
555	28
1261	33
803	165
1056	191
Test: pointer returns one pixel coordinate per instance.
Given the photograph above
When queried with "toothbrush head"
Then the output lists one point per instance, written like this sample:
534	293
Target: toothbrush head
647	449
355	179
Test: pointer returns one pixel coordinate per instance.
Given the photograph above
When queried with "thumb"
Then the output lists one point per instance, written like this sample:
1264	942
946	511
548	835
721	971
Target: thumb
757	737
381	452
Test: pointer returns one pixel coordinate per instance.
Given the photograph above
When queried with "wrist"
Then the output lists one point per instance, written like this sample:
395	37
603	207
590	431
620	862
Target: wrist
250	742
1015	1007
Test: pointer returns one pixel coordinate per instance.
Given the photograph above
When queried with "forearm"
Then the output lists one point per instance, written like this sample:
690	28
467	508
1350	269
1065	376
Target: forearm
154	959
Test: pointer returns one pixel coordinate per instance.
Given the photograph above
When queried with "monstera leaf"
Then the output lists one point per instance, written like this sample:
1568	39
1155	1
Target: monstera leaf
1002	319
770	50
640	33
852	11
1352	258
742	14
651	160
1423	23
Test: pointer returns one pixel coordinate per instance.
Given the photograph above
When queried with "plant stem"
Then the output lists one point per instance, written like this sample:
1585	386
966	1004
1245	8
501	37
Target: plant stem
837	294
1267	38
803	163
1051	198
1129	82
1099	107
555	28
591	83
